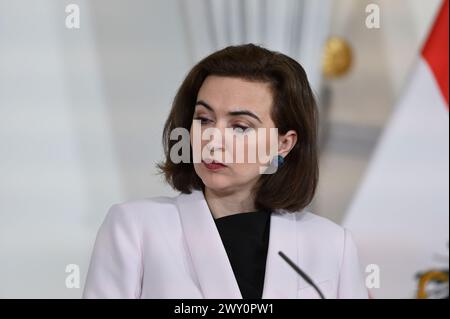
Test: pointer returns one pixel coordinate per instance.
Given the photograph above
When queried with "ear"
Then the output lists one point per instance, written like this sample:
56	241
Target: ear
286	142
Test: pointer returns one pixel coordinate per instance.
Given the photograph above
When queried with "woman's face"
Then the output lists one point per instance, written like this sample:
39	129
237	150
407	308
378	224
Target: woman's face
243	107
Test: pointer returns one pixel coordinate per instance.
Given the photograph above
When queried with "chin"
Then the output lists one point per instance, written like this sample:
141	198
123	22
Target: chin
216	182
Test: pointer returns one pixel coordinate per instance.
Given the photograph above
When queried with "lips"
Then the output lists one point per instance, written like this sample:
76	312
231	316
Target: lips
214	165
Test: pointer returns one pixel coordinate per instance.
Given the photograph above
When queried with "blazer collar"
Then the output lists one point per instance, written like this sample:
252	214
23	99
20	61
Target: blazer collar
210	260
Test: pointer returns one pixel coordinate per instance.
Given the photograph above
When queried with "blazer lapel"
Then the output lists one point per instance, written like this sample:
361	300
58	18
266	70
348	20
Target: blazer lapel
281	281
209	257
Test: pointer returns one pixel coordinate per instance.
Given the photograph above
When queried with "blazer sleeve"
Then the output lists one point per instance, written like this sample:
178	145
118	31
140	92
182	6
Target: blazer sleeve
351	279
115	268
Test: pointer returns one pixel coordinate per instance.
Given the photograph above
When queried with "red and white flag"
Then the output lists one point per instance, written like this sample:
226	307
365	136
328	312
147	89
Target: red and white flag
400	214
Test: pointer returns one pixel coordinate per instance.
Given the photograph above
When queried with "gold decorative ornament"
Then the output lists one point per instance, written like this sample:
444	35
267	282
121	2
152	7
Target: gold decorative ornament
337	57
436	276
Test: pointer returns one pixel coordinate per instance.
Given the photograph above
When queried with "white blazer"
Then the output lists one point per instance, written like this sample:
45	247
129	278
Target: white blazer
169	247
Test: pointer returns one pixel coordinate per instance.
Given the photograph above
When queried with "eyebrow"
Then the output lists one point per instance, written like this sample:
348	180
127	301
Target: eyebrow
233	113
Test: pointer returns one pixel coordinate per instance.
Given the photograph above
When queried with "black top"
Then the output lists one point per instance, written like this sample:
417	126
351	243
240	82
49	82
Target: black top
245	237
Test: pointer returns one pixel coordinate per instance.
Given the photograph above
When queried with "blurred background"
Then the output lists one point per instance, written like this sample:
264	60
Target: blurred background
82	111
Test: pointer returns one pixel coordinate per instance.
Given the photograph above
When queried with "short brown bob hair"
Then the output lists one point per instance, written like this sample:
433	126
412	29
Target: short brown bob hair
293	185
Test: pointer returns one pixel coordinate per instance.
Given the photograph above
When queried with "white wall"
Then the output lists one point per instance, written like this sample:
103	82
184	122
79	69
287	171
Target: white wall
80	126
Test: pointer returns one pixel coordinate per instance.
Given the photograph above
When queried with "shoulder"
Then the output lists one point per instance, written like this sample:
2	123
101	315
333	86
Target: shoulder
136	210
314	222
148	204
319	229
321	238
331	246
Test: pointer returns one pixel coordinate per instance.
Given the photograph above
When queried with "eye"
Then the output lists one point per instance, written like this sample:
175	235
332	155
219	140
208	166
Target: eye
203	120
241	128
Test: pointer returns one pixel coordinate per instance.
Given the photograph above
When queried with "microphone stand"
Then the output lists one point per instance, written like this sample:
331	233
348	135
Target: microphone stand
301	273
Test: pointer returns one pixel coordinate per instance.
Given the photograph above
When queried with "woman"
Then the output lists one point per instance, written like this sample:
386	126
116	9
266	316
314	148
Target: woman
221	236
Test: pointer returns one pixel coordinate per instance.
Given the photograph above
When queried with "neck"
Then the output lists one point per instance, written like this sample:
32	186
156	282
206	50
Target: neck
229	203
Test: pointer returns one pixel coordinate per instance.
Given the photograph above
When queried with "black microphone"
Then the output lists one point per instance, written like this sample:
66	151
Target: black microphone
301	273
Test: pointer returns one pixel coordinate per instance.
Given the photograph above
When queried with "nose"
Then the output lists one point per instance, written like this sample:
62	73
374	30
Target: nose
216	140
